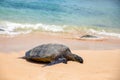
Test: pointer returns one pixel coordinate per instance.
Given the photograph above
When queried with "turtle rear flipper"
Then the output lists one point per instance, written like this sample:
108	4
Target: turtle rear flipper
59	60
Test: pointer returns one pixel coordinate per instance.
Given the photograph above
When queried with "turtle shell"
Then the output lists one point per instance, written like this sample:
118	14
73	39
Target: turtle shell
47	52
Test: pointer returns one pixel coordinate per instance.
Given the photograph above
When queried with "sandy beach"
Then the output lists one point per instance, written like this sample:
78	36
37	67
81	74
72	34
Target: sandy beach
90	28
101	58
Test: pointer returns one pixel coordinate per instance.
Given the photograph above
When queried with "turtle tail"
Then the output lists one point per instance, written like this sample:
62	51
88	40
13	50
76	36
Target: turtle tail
23	57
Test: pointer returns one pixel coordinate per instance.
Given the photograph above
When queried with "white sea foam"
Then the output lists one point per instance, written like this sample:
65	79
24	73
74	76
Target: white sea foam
14	33
11	28
103	32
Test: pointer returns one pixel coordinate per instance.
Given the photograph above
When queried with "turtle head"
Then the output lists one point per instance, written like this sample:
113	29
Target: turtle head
78	58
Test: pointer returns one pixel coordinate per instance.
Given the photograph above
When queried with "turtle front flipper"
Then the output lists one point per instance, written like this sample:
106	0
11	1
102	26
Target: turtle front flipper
59	60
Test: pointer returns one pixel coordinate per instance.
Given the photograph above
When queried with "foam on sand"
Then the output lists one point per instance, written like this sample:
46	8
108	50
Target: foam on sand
103	32
12	28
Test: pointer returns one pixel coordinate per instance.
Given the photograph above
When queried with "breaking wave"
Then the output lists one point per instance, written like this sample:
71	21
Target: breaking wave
18	28
11	28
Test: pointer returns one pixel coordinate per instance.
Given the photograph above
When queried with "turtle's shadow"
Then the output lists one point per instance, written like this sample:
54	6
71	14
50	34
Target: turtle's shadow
35	62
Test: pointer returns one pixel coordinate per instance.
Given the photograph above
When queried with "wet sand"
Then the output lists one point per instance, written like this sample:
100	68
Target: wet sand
27	41
101	58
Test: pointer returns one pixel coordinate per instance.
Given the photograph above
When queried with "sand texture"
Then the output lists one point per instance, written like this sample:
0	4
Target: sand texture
98	65
101	59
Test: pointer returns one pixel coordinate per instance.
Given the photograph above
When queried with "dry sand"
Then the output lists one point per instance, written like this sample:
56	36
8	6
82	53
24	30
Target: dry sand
98	65
101	59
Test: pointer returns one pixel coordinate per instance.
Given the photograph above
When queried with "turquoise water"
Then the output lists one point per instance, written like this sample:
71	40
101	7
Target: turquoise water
56	15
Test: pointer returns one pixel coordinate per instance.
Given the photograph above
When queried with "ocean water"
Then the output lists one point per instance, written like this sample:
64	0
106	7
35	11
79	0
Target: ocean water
25	16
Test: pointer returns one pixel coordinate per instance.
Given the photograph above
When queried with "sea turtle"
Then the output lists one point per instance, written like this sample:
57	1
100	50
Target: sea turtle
52	53
88	36
91	37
